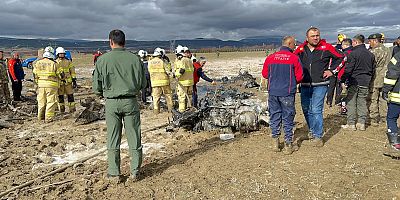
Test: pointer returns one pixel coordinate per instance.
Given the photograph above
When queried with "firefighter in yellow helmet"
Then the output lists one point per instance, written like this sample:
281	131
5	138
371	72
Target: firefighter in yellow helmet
47	76
68	81
184	73
160	73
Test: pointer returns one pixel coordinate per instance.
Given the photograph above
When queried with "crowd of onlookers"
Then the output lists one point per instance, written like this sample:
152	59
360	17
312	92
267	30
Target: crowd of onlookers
362	77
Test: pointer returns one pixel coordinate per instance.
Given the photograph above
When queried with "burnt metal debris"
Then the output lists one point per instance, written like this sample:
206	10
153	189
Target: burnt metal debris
225	110
245	79
93	111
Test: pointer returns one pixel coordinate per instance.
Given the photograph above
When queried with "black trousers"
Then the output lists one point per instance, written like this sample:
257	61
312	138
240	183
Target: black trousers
16	88
334	84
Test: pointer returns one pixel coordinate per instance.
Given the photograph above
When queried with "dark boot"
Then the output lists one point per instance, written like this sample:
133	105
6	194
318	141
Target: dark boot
394	140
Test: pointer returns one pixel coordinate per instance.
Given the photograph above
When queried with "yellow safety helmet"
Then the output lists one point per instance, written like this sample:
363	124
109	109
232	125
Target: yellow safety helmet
341	37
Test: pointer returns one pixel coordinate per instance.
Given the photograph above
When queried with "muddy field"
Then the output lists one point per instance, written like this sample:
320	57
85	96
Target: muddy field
188	165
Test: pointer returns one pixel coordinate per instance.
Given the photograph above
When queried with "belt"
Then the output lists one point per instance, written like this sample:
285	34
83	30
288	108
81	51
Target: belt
122	97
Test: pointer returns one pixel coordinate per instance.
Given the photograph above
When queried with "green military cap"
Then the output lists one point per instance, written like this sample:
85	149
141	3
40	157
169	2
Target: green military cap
375	36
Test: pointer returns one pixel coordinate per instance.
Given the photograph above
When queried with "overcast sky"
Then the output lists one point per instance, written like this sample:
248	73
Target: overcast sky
187	19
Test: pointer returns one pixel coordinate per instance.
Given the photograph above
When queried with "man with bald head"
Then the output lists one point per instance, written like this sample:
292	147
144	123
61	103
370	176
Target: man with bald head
283	70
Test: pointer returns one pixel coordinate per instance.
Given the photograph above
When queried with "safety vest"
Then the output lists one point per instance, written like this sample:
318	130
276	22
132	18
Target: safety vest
158	72
392	79
67	69
186	79
46	73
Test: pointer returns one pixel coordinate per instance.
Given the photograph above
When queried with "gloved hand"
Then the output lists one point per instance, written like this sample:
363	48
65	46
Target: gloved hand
385	96
181	71
74	85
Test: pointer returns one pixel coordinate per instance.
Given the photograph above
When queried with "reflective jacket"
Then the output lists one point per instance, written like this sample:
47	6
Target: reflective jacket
283	70
46	73
186	79
67	69
158	70
392	79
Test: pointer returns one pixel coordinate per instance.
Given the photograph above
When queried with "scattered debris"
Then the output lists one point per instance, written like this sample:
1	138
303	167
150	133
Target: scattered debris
93	111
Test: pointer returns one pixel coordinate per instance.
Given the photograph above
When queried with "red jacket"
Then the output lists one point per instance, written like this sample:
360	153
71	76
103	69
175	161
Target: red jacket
196	77
283	70
15	69
341	67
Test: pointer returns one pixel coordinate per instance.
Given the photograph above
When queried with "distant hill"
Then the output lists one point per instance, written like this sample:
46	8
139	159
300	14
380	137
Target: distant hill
87	45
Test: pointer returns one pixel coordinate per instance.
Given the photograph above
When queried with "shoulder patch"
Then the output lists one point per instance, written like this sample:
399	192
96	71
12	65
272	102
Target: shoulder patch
394	61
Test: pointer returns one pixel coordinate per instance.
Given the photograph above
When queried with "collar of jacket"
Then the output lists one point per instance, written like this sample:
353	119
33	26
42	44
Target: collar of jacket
119	49
285	48
322	42
348	49
359	46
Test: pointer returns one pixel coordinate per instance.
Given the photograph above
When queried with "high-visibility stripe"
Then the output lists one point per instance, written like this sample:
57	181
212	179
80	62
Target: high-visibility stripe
394	61
389	81
47	83
186	82
46	74
156	70
157	83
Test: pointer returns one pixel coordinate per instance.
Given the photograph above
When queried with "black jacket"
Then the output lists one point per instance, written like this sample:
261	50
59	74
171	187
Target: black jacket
392	79
360	66
317	61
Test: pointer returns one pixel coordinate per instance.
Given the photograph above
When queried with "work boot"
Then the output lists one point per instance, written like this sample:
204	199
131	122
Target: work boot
288	149
275	145
114	179
134	177
394	141
317	142
62	109
310	135
349	127
360	127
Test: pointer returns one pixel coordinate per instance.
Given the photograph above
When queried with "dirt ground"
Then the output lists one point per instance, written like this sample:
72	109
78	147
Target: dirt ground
187	165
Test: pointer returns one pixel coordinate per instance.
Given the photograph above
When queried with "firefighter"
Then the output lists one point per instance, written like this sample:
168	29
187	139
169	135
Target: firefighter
147	90
68	81
184	73
391	93
47	77
160	73
4	91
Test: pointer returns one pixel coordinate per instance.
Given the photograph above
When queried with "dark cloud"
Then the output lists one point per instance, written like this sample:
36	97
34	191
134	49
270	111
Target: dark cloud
179	19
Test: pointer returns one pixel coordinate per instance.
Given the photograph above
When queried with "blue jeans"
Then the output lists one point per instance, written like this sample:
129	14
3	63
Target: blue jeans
312	104
282	110
393	114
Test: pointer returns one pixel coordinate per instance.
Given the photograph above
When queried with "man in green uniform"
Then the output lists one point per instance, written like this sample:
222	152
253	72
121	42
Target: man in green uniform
382	58
119	76
4	91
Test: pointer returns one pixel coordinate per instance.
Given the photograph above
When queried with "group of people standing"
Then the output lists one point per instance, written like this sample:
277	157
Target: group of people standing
119	76
359	71
11	70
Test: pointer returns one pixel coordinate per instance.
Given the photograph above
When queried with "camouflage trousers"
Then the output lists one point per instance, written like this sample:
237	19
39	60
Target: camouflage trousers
375	110
4	92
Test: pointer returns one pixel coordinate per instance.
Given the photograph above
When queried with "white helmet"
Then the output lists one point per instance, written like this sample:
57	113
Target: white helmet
48	54
179	49
185	49
49	49
161	51
142	53
60	50
157	52
193	58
